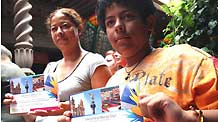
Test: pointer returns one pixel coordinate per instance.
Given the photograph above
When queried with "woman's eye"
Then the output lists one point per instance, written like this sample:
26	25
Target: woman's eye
53	29
128	16
109	23
65	26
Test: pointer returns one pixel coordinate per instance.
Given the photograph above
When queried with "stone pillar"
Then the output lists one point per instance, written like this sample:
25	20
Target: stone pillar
24	42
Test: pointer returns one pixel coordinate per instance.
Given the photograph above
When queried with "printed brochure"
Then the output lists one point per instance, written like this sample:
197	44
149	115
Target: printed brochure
31	93
107	104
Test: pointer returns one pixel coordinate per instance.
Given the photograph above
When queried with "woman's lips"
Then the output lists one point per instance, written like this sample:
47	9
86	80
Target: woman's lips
122	38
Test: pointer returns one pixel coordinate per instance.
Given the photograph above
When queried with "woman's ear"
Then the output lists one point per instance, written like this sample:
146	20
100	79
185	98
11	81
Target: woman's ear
150	22
80	30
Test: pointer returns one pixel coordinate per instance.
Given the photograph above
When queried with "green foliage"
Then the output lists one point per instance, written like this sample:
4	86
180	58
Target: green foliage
194	22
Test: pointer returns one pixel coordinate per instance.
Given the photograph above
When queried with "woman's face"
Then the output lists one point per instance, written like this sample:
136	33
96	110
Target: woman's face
63	31
125	30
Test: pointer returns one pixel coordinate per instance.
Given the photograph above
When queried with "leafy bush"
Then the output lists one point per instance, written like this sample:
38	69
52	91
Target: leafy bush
194	22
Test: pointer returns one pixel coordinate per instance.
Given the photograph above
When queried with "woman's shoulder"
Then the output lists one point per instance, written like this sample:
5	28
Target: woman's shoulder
51	66
184	50
94	57
92	60
53	63
117	78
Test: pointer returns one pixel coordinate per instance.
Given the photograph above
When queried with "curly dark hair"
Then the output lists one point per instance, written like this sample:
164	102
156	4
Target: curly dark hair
143	7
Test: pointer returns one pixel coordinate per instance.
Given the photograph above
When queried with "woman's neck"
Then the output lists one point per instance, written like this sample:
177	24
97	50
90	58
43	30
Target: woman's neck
72	54
138	57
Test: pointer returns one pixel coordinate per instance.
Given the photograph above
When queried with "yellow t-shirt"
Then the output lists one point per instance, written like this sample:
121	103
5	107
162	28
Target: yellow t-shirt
184	73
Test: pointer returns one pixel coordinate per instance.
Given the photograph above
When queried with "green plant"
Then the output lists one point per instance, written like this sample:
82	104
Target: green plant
194	22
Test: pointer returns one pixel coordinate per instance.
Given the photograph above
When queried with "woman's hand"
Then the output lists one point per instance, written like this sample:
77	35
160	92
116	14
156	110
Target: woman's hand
9	98
66	117
161	108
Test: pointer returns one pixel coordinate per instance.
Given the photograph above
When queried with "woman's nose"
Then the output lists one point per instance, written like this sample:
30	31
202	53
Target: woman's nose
59	30
119	27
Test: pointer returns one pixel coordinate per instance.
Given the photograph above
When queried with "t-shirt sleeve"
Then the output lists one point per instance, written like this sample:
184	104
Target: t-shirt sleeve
96	61
205	86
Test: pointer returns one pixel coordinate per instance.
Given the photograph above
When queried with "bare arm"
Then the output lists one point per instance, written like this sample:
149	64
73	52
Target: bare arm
100	77
210	115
